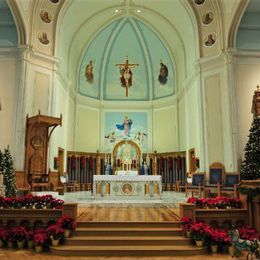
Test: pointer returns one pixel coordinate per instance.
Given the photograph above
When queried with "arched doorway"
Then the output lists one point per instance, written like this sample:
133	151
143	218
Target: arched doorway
126	156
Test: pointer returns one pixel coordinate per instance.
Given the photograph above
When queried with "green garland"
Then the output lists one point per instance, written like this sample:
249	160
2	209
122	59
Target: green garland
249	191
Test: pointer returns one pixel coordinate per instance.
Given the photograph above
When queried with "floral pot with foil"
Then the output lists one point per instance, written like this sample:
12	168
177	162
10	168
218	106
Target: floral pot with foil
66	233
214	248
38	249
20	244
199	243
1	243
55	242
30	244
10	244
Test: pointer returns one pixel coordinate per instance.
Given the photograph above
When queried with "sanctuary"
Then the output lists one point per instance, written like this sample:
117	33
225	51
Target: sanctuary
136	119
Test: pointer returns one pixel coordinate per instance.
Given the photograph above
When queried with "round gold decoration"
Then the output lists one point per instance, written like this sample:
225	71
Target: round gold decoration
127	188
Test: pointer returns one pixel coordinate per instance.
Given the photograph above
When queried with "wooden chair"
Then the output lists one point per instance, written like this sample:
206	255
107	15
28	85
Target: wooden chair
55	183
216	177
21	182
197	185
231	181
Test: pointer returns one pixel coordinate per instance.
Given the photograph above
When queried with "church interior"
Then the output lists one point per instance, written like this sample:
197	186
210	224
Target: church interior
132	124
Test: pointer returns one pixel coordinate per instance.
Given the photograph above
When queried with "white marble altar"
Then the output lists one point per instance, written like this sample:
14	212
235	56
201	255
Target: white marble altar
128	173
127	186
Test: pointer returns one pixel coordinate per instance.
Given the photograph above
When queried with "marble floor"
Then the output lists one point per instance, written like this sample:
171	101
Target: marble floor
85	199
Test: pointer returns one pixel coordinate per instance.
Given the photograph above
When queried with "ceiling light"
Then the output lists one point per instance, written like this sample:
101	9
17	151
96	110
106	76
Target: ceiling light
116	11
138	11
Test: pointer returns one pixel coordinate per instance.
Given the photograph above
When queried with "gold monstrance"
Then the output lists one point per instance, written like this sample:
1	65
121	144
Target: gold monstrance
127	74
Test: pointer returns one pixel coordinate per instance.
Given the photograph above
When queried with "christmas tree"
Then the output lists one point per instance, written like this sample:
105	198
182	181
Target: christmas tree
250	169
9	174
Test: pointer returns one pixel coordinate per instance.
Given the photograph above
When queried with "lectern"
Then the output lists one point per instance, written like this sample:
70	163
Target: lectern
38	132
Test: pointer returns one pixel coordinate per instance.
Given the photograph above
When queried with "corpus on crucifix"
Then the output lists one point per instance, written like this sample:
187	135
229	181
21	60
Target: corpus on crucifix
126	74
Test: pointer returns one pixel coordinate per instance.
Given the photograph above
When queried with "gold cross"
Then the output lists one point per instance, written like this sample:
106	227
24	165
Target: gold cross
126	66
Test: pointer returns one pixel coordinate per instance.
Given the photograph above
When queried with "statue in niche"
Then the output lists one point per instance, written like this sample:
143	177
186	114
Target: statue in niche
89	72
211	40
45	16
199	2
43	38
207	18
163	75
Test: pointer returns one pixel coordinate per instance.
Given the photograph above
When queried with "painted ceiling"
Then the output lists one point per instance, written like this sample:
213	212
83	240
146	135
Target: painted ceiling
127	38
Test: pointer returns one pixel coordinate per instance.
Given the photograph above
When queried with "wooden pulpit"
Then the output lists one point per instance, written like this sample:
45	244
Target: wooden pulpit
38	132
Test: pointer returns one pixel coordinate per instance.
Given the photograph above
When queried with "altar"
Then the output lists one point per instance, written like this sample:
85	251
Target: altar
127	186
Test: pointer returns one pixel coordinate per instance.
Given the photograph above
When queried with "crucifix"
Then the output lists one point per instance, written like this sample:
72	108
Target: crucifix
126	74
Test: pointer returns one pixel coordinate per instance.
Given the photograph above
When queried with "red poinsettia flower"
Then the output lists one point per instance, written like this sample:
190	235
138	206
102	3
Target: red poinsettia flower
67	223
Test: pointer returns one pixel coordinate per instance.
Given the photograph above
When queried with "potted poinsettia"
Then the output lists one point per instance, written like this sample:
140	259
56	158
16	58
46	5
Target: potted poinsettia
18	235
29	238
40	240
56	233
68	224
198	232
3	235
186	225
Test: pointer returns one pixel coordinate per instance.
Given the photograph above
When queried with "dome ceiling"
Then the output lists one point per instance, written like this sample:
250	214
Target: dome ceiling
152	74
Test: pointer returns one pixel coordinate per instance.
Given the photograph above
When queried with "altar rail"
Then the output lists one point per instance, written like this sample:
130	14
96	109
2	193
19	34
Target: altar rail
215	217
36	217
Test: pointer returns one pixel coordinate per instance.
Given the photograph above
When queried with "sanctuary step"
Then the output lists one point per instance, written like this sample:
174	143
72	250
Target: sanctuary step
128	239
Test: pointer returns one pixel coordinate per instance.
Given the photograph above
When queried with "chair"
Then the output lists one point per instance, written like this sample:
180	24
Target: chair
55	182
197	185
21	182
231	181
216	176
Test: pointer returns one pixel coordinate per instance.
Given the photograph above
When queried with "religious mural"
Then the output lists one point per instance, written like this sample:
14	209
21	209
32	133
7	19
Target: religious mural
125	126
118	66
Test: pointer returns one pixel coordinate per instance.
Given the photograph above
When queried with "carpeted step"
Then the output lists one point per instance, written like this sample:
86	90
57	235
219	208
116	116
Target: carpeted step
127	240
128	231
128	250
120	224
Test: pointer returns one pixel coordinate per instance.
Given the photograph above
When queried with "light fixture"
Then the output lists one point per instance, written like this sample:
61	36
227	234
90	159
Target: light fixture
116	11
138	11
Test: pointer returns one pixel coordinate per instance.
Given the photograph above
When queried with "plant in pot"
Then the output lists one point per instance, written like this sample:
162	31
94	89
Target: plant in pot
18	235
3	235
56	233
68	224
198	233
186	225
29	238
40	240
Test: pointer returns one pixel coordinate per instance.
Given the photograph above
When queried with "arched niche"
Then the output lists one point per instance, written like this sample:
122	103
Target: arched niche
126	156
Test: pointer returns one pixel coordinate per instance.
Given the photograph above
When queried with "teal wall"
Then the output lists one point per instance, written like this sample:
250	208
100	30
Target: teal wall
8	32
126	37
248	35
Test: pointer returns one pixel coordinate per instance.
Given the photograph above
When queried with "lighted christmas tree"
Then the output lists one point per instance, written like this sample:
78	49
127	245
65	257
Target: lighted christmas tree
250	169
9	174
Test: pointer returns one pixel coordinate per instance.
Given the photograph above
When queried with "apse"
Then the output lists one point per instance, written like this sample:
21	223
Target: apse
127	39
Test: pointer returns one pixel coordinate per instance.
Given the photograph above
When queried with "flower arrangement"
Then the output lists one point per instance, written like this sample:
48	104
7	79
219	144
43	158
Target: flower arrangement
18	234
198	231
55	232
186	224
30	201
40	239
248	233
218	202
67	223
217	236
